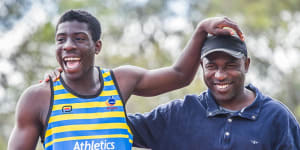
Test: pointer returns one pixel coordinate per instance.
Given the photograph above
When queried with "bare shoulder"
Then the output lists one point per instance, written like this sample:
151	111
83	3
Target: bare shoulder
128	70
128	75
36	93
127	78
33	102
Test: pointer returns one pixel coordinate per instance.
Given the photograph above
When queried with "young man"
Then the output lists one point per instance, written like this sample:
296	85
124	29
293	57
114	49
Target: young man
84	108
227	116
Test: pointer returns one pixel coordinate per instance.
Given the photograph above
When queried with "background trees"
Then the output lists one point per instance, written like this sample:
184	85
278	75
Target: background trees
149	34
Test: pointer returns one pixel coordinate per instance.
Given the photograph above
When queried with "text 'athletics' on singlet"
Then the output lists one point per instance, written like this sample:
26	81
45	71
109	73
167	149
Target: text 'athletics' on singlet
96	122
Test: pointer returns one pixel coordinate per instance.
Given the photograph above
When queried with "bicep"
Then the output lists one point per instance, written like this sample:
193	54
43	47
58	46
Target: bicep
139	81
23	138
154	82
28	124
25	133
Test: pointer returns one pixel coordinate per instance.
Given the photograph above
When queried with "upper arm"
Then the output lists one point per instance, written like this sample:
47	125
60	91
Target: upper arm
28	123
288	131
291	136
139	81
147	128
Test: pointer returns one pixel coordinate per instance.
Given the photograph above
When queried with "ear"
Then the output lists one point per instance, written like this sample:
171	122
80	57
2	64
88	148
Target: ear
98	46
247	64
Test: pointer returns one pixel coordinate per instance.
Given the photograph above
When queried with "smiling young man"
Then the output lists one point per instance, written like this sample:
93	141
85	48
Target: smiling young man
227	116
84	108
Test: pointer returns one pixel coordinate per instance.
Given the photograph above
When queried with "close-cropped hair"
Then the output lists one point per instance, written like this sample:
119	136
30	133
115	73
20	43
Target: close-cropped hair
84	17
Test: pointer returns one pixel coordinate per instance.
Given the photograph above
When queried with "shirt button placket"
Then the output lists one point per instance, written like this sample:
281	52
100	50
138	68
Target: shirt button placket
229	120
226	137
227	134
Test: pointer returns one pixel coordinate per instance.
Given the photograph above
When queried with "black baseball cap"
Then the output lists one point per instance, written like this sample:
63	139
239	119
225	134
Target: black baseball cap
231	45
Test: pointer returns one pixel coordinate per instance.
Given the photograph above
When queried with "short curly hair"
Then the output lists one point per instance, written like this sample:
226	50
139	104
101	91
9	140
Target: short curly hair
85	17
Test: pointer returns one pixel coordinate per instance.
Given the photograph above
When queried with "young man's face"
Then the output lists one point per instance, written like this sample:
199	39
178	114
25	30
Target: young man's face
75	49
224	75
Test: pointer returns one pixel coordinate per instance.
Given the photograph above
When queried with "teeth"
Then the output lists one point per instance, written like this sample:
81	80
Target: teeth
222	86
71	59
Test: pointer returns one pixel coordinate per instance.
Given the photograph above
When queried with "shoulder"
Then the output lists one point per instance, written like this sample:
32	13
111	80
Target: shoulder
275	105
33	102
278	110
128	74
127	69
36	92
271	105
127	78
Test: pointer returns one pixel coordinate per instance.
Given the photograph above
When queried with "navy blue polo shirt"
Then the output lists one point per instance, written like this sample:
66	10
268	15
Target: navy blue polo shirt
197	123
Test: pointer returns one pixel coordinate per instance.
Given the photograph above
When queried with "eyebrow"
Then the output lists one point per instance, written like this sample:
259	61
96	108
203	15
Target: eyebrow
76	33
234	60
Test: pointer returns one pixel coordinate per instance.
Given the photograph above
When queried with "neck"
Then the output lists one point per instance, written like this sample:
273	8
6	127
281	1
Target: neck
239	102
88	84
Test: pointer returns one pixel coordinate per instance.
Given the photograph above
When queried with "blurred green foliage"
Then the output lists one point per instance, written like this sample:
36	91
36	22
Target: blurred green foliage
137	32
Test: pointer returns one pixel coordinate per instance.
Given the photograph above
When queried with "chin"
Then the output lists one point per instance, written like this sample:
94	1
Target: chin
222	97
72	75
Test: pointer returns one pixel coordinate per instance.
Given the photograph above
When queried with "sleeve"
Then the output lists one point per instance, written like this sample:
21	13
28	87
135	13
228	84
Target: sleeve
148	128
289	137
294	132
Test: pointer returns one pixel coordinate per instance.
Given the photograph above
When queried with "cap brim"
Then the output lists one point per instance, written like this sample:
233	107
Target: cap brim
230	52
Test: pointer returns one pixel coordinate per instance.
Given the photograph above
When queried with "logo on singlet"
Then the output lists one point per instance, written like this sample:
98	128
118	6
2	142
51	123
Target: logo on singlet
66	109
110	102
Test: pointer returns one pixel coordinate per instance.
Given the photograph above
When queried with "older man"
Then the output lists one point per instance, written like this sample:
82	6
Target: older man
228	116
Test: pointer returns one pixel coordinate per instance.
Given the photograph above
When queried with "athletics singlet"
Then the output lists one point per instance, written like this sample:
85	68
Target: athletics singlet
96	122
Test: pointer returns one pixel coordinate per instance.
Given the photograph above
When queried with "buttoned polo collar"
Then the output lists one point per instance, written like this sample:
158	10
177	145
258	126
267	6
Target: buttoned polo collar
251	112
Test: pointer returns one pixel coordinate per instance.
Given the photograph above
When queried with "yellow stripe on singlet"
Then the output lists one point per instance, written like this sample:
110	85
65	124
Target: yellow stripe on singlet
109	93
69	95
88	137
86	116
60	87
86	127
106	83
64	96
105	74
86	105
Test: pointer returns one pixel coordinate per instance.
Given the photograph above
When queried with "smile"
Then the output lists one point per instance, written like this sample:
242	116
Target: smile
72	63
71	59
222	86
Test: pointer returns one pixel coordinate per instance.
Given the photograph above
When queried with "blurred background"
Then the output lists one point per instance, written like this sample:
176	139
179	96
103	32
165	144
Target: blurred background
149	34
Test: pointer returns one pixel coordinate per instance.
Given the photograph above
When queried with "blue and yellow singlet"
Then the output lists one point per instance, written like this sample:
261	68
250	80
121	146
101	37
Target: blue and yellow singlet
96	122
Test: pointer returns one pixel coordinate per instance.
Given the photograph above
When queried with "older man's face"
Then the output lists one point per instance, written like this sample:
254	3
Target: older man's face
224	75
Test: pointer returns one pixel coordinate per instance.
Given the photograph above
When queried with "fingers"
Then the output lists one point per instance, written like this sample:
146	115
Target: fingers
226	22
223	31
46	78
56	74
59	69
53	75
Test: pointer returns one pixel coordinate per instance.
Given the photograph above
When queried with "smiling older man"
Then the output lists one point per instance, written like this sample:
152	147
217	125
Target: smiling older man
228	116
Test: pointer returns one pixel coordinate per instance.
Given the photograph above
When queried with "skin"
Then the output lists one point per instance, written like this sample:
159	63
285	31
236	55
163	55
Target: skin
73	39
224	75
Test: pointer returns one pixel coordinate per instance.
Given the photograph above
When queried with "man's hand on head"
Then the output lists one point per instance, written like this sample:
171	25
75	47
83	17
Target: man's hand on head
220	26
52	75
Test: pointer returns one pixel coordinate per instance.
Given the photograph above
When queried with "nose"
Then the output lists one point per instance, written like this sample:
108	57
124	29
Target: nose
69	45
220	74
